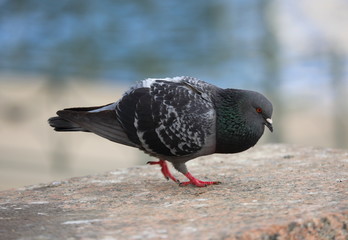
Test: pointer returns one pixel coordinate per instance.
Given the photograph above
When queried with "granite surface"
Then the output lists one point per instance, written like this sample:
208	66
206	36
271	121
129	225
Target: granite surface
269	192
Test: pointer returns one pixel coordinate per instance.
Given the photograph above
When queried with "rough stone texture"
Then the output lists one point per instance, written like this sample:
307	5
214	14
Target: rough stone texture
269	192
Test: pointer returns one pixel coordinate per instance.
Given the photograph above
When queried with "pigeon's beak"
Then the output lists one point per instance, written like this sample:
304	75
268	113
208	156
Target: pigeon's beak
269	124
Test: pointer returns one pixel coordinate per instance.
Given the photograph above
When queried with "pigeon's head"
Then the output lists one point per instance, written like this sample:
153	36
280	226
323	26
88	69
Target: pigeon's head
258	109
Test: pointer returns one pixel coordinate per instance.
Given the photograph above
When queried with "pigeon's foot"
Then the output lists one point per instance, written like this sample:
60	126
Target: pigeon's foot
196	182
164	169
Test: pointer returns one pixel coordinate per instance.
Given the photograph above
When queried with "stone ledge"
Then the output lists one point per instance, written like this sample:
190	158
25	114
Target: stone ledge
269	192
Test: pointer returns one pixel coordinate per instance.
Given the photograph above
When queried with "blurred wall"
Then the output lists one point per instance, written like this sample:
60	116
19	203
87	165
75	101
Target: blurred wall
81	53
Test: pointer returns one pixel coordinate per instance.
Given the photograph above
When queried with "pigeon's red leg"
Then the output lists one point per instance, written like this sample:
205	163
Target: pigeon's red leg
165	170
196	182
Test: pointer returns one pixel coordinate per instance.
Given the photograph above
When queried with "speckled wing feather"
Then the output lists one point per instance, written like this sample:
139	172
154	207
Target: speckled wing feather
168	117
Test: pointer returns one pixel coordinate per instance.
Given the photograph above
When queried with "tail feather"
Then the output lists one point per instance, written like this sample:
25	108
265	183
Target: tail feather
61	125
110	106
103	123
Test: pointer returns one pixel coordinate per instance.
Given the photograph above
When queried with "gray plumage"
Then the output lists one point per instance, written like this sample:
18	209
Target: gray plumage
175	119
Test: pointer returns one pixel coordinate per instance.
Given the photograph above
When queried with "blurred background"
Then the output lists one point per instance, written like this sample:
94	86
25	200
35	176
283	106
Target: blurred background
57	54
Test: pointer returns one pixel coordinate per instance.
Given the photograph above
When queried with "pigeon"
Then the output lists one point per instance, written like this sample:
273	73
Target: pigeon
176	120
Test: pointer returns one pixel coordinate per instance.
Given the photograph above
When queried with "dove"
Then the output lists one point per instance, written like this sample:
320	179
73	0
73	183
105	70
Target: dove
176	120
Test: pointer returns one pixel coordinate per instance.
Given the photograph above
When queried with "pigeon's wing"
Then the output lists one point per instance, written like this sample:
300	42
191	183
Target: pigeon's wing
168	117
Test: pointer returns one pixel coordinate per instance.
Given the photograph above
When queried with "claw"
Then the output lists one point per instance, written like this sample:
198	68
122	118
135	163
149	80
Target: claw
164	169
192	180
196	182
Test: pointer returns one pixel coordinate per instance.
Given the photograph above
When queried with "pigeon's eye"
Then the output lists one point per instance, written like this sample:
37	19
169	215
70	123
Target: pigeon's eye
259	110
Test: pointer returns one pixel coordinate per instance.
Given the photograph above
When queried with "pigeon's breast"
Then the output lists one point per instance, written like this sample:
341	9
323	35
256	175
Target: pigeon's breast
236	143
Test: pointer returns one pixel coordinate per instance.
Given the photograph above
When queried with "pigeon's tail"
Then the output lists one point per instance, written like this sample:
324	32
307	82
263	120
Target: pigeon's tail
102	122
61	125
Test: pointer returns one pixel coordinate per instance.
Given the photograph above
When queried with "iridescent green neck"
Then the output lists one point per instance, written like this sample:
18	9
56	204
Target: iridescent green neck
232	132
229	118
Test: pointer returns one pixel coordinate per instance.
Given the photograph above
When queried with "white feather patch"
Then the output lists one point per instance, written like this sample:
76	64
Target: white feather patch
148	82
108	107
